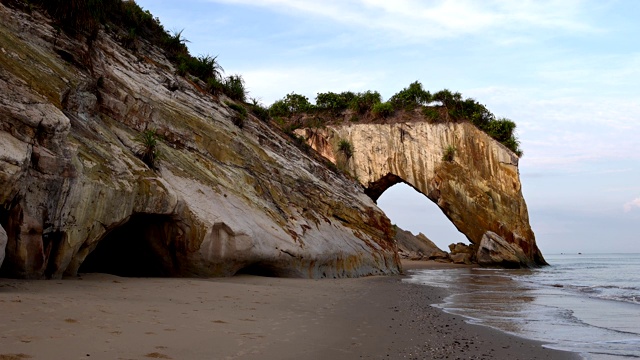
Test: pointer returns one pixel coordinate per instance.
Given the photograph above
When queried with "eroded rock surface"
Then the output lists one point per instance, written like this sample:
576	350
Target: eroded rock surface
478	188
494	250
224	199
418	247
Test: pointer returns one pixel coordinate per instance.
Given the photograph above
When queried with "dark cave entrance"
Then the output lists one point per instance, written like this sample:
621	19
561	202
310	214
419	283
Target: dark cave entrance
260	269
144	246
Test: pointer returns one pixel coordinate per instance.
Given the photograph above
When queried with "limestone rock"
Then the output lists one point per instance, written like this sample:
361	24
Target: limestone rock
479	190
417	247
74	197
460	248
494	250
461	258
3	244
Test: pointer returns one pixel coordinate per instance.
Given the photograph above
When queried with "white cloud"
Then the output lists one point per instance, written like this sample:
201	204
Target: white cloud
635	203
415	20
561	131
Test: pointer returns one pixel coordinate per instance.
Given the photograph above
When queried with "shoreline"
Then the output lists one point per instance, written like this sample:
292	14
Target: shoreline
101	316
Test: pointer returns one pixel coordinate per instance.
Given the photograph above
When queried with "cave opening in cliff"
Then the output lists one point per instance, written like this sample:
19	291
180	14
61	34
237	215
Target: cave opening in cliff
141	247
260	269
413	211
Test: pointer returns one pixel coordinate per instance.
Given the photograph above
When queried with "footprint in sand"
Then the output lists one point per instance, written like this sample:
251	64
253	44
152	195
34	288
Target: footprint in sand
157	355
14	356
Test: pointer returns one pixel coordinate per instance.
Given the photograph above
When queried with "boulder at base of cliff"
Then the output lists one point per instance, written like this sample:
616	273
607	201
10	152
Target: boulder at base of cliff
496	251
461	258
461	248
3	244
417	247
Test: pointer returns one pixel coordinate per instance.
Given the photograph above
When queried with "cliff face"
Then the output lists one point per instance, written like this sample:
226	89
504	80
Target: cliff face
74	197
477	187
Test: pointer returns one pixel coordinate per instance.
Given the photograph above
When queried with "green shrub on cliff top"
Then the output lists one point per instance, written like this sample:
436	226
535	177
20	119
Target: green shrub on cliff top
291	104
234	87
382	110
334	102
365	101
452	107
411	97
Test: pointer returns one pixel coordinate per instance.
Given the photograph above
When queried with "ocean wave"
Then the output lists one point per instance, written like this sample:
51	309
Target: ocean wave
629	294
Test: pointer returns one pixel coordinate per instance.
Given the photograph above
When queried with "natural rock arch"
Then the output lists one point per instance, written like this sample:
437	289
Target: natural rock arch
478	189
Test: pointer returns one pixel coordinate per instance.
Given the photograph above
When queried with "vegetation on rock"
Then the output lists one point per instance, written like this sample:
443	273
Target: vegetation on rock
241	113
441	106
383	110
234	87
345	147
411	97
128	22
449	153
149	152
291	104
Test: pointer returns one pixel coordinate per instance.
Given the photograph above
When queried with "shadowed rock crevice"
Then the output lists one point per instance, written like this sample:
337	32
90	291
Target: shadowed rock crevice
142	247
262	269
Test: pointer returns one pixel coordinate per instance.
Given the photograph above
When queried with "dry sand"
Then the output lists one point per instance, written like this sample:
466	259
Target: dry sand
101	316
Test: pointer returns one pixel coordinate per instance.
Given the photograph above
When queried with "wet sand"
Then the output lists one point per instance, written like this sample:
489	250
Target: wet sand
100	316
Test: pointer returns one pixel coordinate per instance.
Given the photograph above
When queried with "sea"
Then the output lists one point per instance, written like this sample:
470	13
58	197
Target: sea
584	303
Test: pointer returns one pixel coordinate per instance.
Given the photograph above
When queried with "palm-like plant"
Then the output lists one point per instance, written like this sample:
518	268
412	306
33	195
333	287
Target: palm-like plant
149	152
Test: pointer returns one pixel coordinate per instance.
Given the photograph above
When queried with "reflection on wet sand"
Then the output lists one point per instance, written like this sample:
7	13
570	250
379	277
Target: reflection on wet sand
512	301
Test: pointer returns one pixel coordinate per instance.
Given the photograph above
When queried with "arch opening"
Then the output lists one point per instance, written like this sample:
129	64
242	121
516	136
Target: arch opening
413	211
144	246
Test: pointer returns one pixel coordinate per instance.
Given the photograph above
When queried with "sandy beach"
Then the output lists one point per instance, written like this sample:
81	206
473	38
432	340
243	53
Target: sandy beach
101	316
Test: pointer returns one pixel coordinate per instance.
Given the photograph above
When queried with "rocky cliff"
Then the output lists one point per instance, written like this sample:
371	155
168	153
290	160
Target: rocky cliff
74	196
472	178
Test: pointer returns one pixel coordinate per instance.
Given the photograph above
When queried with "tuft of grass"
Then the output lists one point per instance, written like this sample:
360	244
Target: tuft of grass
233	87
449	153
346	148
241	114
215	86
259	111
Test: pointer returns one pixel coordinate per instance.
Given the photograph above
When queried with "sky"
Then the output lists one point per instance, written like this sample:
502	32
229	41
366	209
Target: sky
567	72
